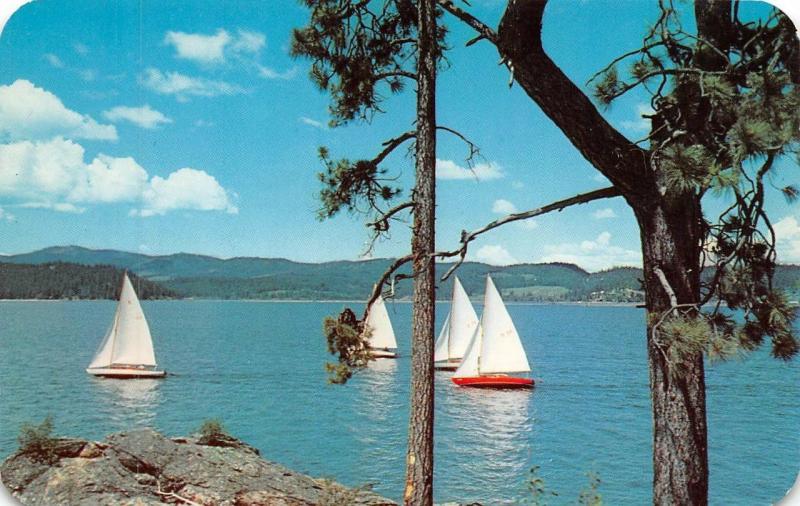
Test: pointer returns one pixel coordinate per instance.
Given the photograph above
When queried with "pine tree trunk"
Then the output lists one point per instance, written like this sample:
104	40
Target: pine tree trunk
419	461
670	238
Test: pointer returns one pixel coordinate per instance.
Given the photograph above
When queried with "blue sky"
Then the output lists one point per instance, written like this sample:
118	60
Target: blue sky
172	126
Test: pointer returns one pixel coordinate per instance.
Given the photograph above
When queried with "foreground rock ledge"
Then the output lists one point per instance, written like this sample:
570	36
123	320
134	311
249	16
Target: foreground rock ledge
145	468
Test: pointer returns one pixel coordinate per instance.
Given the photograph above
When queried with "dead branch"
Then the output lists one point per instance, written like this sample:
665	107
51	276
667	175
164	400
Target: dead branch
392	144
673	299
479	26
474	150
382	223
175	496
467	237
378	288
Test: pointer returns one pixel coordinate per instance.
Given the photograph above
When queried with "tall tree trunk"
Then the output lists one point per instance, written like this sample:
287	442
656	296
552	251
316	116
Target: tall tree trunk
419	461
671	231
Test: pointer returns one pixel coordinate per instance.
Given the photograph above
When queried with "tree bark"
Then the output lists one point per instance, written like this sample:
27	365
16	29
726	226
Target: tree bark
670	233
419	460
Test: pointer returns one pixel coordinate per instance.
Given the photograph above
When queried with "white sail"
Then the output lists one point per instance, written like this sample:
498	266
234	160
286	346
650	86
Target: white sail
440	349
378	320
470	364
501	349
128	342
463	321
102	358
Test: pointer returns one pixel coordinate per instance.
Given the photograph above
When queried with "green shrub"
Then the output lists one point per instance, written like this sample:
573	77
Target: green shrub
212	429
37	440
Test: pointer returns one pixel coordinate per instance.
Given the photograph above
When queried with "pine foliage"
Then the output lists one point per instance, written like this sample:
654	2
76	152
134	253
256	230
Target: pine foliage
723	116
61	280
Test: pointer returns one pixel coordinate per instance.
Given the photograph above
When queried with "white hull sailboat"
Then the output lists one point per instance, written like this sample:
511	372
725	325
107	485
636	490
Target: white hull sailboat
495	353
127	349
382	343
456	332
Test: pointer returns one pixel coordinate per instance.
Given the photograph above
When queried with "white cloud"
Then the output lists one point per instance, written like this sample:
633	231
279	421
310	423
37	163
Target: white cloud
183	86
249	42
54	60
528	224
503	206
447	169
787	239
518	185
312	122
494	254
604	214
53	175
30	112
217	48
207	49
62	207
81	49
269	73
185	189
593	255
201	123
641	124
144	116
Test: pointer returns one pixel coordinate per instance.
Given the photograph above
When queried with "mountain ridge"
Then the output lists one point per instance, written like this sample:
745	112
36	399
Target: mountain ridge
205	276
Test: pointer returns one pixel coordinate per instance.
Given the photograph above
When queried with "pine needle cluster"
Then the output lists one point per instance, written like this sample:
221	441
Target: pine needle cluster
347	339
723	116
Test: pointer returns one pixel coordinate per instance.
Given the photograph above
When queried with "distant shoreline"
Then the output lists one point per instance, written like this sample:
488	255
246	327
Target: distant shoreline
340	301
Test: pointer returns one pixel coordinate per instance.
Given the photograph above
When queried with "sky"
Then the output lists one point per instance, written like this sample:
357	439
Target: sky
172	126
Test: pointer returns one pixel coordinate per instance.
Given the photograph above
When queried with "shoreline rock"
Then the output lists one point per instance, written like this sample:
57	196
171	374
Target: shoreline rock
145	468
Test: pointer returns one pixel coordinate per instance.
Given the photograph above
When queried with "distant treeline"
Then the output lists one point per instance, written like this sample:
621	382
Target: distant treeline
188	275
59	280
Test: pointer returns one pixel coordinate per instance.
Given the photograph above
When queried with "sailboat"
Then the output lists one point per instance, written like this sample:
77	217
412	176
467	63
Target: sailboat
495	351
382	343
456	332
127	349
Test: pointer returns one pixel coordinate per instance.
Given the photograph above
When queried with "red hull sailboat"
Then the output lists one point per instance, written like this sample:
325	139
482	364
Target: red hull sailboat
495	356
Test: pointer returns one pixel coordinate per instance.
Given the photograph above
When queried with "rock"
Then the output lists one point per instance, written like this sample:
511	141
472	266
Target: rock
145	468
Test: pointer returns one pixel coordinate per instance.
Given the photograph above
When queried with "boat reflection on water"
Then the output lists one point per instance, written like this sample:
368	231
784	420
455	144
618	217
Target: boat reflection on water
128	403
380	432
377	386
495	424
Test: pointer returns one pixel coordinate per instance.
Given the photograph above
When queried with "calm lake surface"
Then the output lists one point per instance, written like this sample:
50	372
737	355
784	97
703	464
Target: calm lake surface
259	368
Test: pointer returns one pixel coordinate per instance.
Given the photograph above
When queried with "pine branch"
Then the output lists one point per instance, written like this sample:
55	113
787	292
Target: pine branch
467	237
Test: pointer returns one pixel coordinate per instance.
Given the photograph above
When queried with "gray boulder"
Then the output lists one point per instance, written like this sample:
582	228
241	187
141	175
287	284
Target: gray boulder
143	468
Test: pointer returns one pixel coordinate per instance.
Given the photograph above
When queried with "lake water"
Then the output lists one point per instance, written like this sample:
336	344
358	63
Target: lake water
259	368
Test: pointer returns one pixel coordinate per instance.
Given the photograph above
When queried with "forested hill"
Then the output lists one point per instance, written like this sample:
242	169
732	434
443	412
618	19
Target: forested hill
201	276
60	280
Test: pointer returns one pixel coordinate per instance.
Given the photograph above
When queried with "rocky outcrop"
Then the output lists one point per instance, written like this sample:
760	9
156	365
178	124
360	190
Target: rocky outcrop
143	468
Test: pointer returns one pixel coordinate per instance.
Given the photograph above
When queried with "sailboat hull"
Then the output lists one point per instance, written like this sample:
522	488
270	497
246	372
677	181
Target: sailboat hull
125	372
450	365
494	382
382	354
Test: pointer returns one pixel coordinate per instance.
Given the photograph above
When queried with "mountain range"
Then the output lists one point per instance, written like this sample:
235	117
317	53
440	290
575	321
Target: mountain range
201	276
